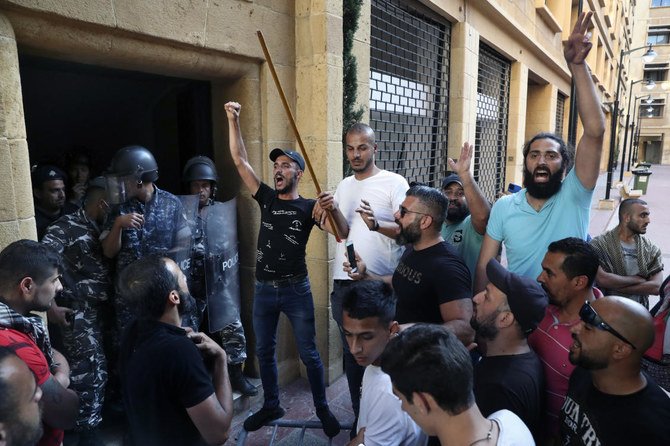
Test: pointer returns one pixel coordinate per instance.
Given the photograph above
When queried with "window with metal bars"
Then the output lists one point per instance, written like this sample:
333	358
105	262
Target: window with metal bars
560	113
409	89
492	112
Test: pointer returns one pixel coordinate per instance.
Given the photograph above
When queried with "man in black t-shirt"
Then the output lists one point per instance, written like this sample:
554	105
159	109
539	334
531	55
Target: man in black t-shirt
610	401
170	395
282	285
509	374
432	283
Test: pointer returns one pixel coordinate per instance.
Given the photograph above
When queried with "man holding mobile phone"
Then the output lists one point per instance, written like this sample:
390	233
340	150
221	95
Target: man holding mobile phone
369	188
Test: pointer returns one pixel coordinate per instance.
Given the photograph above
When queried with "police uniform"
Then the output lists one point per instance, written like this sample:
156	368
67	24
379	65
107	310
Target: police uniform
86	288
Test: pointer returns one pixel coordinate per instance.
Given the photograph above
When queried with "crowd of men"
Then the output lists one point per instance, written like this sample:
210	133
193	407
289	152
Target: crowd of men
442	344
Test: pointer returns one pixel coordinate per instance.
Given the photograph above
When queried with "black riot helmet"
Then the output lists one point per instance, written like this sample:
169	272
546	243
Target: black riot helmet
200	168
135	161
131	167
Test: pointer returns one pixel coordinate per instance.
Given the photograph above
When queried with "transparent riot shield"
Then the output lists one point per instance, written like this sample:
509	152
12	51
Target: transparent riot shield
222	266
183	241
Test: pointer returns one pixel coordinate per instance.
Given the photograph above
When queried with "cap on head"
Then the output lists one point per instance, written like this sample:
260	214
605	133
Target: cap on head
200	168
46	172
526	298
295	156
135	161
98	183
451	178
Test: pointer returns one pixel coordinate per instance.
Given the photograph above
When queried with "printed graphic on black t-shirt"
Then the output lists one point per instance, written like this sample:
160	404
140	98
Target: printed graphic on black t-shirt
592	418
285	228
426	279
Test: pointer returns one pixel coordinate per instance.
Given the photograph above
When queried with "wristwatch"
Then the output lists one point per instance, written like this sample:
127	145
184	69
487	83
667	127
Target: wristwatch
375	227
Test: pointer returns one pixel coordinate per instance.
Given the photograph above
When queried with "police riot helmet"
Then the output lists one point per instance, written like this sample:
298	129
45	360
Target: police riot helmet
200	168
136	161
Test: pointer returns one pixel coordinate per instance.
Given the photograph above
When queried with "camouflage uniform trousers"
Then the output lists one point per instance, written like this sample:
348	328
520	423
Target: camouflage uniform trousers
234	342
83	348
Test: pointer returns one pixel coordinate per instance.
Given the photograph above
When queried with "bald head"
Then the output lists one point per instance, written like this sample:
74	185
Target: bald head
629	318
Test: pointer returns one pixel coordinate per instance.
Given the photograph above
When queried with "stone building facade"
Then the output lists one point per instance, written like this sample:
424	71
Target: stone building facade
106	73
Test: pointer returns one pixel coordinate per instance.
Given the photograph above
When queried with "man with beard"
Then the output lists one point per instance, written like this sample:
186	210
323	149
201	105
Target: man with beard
201	178
568	270
175	382
468	211
29	281
431	281
630	265
20	419
369	188
282	285
610	401
550	208
49	193
509	375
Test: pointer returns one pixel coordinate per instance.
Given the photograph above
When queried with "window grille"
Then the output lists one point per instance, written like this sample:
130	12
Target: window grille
560	113
409	89
492	112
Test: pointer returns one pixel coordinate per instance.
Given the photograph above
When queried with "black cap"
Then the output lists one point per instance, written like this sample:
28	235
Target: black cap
295	156
526	298
98	183
451	178
46	172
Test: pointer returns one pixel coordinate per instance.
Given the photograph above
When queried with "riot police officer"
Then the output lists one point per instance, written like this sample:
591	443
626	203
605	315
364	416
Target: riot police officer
214	279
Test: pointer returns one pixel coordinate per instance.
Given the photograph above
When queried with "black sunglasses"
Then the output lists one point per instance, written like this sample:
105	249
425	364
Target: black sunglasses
589	315
403	210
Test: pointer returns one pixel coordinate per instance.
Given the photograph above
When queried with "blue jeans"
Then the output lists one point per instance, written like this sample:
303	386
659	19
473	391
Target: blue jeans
295	301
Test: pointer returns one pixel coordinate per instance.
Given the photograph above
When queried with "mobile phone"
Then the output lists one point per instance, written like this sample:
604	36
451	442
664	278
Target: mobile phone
352	256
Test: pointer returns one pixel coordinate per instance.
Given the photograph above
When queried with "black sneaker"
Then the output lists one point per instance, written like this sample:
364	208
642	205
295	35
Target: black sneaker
330	424
263	416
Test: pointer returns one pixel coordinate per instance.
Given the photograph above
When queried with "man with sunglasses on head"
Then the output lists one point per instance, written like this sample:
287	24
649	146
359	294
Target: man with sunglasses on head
77	313
431	281
610	401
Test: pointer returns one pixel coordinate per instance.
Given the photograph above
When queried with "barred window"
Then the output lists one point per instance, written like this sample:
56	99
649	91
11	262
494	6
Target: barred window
492	113
409	89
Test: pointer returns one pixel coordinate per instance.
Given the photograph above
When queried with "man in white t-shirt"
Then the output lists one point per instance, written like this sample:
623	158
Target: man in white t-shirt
368	313
431	372
373	234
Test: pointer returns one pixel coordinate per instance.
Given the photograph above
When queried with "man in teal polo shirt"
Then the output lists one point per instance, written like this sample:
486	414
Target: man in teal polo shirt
549	207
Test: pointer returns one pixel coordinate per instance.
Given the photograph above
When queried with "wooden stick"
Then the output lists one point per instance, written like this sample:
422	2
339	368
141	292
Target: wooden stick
291	120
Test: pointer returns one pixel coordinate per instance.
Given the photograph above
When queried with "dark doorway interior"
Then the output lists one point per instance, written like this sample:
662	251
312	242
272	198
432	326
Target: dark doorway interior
69	104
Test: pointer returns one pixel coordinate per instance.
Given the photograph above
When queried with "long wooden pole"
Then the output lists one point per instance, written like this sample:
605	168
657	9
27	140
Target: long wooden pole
291	120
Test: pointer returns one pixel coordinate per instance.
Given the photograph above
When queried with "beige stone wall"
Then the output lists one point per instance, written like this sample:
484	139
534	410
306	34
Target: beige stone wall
16	204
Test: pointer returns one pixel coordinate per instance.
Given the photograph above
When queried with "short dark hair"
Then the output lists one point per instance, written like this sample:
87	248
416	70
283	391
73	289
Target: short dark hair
369	298
580	258
563	148
145	284
7	404
434	200
27	258
360	127
428	358
627	204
